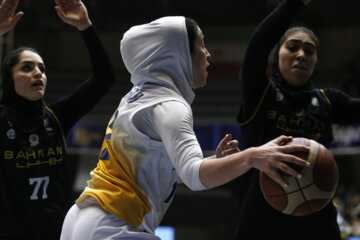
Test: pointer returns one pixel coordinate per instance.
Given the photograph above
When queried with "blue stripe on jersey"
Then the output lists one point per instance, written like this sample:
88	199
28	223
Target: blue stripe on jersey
104	154
172	193
112	123
108	136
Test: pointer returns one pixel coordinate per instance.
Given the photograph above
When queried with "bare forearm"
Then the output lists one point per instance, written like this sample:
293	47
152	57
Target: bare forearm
272	158
215	172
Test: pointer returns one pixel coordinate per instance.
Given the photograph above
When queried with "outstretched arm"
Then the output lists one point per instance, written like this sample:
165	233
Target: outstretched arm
8	18
75	105
73	12
271	158
172	121
253	79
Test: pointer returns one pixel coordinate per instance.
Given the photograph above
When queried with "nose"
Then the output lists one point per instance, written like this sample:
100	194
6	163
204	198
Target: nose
37	72
208	55
300	54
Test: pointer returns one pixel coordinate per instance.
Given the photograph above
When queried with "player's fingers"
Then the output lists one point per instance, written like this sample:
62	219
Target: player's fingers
288	170
230	151
282	139
17	18
60	13
8	7
294	148
278	178
294	159
224	141
60	2
13	5
7	4
232	144
221	145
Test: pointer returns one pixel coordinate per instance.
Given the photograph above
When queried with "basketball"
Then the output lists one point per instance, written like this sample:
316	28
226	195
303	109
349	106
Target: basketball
313	191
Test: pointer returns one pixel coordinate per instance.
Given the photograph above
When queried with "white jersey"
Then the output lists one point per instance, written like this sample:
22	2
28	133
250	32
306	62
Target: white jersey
149	142
148	188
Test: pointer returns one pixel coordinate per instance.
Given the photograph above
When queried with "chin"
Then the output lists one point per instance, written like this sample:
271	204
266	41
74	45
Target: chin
200	85
298	81
36	98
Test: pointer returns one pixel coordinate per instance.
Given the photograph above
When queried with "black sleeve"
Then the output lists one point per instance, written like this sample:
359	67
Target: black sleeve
72	107
253	77
345	109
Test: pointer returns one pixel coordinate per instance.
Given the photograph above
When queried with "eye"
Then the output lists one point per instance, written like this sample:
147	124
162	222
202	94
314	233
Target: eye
202	43
42	68
293	48
310	50
27	68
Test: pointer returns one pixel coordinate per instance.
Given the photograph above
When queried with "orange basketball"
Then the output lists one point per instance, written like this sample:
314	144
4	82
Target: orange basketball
313	191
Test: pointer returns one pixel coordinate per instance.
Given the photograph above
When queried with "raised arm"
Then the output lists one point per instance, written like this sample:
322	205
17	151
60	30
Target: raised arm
253	78
72	107
73	12
8	18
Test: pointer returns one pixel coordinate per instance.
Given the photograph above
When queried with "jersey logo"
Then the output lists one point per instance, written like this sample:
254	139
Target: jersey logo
315	102
47	125
133	95
34	140
11	134
279	96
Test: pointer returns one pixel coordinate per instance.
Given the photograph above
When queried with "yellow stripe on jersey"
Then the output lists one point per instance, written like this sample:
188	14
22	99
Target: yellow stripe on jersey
257	107
114	186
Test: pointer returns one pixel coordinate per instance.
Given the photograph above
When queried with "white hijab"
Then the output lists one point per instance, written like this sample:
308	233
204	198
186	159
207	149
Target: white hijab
158	52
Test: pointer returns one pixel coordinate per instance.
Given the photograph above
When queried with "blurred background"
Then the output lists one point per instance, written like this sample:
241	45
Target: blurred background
227	26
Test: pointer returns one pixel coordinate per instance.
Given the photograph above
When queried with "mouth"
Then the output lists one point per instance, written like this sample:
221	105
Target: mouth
38	83
301	67
207	67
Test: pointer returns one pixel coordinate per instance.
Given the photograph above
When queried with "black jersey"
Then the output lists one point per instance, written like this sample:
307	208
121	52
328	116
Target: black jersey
269	109
35	194
275	116
33	182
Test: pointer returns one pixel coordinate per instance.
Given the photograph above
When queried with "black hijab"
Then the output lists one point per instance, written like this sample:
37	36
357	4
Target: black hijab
10	99
298	96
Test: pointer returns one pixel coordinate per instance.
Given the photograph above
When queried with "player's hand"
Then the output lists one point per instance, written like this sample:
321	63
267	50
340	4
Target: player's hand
227	146
306	2
8	18
274	157
73	12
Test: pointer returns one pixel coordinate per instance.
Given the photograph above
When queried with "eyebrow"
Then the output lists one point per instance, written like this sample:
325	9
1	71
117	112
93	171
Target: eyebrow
299	41
32	62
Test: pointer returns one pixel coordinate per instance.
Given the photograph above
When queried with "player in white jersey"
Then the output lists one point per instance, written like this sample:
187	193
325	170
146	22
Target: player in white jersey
150	143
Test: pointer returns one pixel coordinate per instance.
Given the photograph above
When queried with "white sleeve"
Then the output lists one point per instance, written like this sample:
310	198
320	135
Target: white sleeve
173	123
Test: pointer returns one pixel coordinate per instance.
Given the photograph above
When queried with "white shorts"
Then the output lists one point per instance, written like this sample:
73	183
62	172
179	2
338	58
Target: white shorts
91	222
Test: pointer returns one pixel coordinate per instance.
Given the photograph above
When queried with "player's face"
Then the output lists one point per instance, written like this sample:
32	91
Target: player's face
29	76
200	61
297	58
